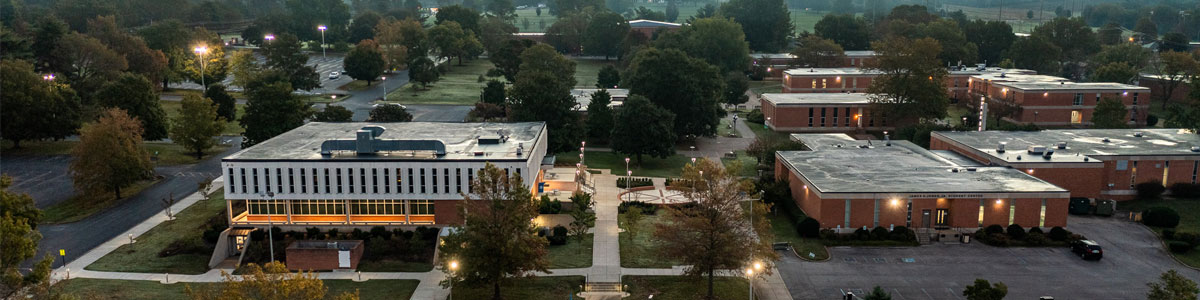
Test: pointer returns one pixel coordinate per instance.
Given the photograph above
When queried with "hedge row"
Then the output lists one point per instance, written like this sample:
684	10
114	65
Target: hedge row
647	208
879	233
1015	235
625	182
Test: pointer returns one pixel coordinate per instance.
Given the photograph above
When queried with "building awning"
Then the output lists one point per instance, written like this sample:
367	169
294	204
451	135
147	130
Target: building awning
548	162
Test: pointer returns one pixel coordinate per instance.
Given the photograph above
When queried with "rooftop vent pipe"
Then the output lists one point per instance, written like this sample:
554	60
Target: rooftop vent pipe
366	142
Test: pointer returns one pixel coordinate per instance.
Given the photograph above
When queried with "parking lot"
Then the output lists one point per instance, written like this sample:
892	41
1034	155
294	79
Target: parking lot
44	177
1133	256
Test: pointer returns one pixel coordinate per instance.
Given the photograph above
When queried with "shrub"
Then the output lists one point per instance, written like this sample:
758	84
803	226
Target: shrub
1151	120
901	233
1016	232
1036	239
993	229
1160	217
755	116
333	234
1188	237
211	235
312	233
1058	234
379	231
1149	190
1185	190
560	230
428	233
647	208
828	234
625	182
1075	237
1179	246
556	240
879	233
998	239
862	234
1168	234
1037	230
547	206
258	235
358	234
809	228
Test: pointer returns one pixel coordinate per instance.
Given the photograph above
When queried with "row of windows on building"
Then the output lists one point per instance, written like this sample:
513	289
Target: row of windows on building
830	114
339	207
942	215
1132	166
353	180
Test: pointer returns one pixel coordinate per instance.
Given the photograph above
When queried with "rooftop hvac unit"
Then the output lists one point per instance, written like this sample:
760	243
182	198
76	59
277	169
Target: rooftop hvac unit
1037	149
1062	145
1000	147
1137	134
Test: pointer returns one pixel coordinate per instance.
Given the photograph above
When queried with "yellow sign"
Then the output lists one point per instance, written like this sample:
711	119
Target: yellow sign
62	252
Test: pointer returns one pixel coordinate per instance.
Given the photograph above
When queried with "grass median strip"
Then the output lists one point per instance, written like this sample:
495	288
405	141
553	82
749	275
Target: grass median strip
88	288
183	235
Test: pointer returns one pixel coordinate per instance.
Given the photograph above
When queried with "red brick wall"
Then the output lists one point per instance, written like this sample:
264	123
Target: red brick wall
1081	182
1180	94
320	259
446	212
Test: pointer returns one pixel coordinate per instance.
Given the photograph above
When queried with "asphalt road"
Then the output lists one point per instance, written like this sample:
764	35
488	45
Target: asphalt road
44	177
1133	257
79	237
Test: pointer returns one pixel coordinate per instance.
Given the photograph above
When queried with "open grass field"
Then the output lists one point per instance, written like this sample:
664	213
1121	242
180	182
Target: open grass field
187	227
679	287
459	86
1189	220
231	127
803	20
587	71
574	254
557	287
746	163
640	250
394	266
785	232
615	162
82	205
88	288
766	86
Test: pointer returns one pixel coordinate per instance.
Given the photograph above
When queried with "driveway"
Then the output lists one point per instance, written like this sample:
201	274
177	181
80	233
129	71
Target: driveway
1133	256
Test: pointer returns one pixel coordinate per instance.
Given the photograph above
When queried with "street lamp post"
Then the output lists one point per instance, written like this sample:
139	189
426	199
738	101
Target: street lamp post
322	29
628	174
201	50
269	37
453	266
270	235
750	277
383	83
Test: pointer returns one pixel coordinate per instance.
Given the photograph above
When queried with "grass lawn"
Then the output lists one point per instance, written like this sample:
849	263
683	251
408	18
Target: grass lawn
142	256
640	251
587	71
615	162
139	289
572	255
766	86
388	265
955	113
81	206
1189	220
183	92
748	164
531	15
322	98
38	147
170	154
785	232
680	287
459	86
231	127
556	287
760	130
725	128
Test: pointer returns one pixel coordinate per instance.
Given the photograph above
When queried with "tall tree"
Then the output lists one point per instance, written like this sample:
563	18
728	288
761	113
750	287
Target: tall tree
364	62
766	23
389	113
110	155
145	61
508	57
209	65
466	17
493	93
714	234
1110	34
225	103
1147	29
911	86
608	77
284	55
736	85
672	11
851	32
604	34
272	281
984	290
814	51
333	113
18	221
271	110
494	32
498	239
542	92
567	33
708	10
1110	113
196	125
1172	286
1073	36
452	41
1173	68
46	34
720	42
600	116
363	26
396	38
86	62
956	50
1115	72
683	85
991	37
136	96
306	15
35	108
173	39
1035	53
243	65
423	71
642	128
1128	53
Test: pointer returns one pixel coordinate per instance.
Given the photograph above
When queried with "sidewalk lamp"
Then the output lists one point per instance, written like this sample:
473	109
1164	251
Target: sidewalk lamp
382	82
750	277
628	174
269	37
271	209
200	51
322	29
453	267
48	77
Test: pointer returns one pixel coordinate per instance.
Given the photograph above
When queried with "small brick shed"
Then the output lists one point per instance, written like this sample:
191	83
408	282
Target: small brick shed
324	255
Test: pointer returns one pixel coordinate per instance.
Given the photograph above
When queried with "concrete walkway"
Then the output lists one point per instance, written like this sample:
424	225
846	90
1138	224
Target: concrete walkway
606	260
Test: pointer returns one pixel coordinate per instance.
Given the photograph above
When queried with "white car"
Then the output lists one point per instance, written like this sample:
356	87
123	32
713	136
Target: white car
396	104
333	75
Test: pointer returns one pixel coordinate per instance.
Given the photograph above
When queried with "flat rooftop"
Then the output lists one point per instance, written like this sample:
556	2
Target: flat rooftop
642	23
583	97
816	98
1006	77
460	139
1082	145
860	71
849	166
1066	85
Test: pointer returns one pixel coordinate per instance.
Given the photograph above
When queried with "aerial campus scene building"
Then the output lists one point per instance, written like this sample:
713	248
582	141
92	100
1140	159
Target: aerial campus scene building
732	149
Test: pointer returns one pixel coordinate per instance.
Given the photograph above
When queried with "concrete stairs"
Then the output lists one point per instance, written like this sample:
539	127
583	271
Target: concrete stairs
923	235
602	287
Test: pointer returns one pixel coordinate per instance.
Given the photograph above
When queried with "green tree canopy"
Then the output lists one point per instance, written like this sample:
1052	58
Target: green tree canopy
1075	38
911	86
333	113
271	110
466	17
363	26
136	96
1172	286
389	113
720	42
1128	53
196	125
110	155
18	221
142	60
736	85
209	63
1110	113
1115	72
851	32
226	104
493	93
542	92
1035	53
600	116
422	70
984	290
364	62
285	56
680	84
452	41
1110	34
608	77
991	37
814	51
642	128
35	108
767	23
604	34
567	33
507	57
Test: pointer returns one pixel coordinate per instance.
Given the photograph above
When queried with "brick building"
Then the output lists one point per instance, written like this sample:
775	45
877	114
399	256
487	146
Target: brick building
363	174
821	112
777	63
650	28
846	183
1093	163
1054	101
856	80
1155	85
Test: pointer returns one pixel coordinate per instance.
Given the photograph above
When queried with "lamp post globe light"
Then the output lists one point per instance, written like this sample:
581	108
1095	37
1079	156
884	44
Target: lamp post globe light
628	174
200	51
453	267
269	37
322	29
383	82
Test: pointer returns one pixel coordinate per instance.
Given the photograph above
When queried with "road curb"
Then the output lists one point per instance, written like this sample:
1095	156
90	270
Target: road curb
1163	244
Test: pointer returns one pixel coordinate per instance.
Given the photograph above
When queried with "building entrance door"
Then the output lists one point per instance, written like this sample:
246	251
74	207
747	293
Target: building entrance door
925	218
943	217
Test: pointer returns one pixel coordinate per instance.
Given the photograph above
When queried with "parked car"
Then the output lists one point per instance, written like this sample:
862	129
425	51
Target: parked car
1087	249
381	104
334	75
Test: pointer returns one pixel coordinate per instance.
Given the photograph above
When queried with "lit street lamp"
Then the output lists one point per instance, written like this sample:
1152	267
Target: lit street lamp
628	174
453	266
48	77
201	50
383	82
269	37
750	277
322	29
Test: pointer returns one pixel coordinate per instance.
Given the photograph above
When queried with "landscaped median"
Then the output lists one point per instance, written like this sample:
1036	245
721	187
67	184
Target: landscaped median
680	287
615	162
637	243
1184	236
542	287
88	288
179	246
